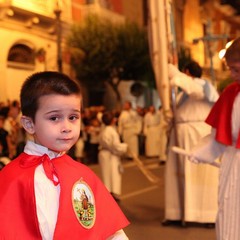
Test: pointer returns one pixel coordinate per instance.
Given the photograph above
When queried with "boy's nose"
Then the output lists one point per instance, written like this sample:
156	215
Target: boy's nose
66	127
66	130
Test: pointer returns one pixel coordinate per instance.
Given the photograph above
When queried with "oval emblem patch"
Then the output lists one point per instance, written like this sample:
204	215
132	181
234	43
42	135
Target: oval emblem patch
84	204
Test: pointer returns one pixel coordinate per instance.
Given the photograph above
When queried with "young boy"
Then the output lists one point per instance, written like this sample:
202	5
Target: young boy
41	190
225	142
109	155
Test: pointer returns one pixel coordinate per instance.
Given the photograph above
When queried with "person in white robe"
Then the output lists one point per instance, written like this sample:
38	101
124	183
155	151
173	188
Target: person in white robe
151	130
129	127
224	141
188	186
109	155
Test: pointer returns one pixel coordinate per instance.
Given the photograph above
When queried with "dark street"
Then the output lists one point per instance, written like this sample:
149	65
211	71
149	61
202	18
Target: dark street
143	204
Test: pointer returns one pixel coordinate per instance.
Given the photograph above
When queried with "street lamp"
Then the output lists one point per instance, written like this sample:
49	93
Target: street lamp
57	12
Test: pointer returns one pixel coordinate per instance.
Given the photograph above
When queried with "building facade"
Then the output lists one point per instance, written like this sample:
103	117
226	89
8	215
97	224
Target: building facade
30	35
28	31
198	21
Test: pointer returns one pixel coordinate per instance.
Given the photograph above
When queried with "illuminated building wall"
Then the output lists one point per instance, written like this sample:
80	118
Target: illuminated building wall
28	25
31	24
193	28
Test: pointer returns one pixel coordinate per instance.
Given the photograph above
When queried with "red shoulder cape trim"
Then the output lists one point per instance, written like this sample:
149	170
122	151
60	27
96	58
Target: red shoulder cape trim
221	115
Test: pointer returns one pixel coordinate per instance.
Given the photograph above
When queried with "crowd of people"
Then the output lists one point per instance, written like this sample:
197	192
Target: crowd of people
135	127
12	135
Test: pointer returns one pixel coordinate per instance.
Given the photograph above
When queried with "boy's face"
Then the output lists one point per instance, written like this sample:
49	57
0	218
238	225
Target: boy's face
57	122
234	68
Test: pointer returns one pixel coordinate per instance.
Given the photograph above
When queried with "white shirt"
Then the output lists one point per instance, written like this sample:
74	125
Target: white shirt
46	193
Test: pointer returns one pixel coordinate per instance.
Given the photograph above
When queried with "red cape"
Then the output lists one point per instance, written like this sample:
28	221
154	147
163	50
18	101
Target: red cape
18	218
220	116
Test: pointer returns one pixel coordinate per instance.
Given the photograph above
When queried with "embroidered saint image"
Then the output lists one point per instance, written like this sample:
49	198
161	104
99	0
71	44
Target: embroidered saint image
83	204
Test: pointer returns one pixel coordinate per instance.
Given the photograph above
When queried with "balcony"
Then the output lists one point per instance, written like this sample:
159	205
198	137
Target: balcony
39	16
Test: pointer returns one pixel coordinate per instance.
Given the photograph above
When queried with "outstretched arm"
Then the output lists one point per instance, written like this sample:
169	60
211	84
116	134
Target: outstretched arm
207	150
186	83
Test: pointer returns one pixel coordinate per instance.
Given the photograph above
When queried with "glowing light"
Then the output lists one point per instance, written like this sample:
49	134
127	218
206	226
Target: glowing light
228	44
221	53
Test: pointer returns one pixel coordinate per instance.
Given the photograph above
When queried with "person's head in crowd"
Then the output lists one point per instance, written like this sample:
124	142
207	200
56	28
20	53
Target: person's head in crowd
232	57
193	69
151	109
127	105
108	118
140	111
14	109
95	122
4	111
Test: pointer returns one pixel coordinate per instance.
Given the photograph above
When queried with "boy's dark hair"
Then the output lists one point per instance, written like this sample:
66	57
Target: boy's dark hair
233	52
41	84
107	118
194	69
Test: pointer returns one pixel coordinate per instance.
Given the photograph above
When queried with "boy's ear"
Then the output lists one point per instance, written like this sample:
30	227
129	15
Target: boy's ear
28	124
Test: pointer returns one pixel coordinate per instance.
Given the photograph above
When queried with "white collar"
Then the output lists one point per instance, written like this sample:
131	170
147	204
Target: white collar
32	148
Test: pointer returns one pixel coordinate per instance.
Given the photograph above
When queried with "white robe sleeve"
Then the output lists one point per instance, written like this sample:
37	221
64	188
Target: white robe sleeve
208	149
186	83
110	140
210	92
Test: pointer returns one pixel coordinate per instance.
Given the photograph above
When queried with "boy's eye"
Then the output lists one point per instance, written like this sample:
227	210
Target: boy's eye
74	117
54	118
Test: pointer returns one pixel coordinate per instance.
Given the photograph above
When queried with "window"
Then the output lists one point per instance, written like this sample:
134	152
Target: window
21	56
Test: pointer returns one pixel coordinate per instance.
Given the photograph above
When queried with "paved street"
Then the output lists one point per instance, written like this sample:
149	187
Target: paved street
143	204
